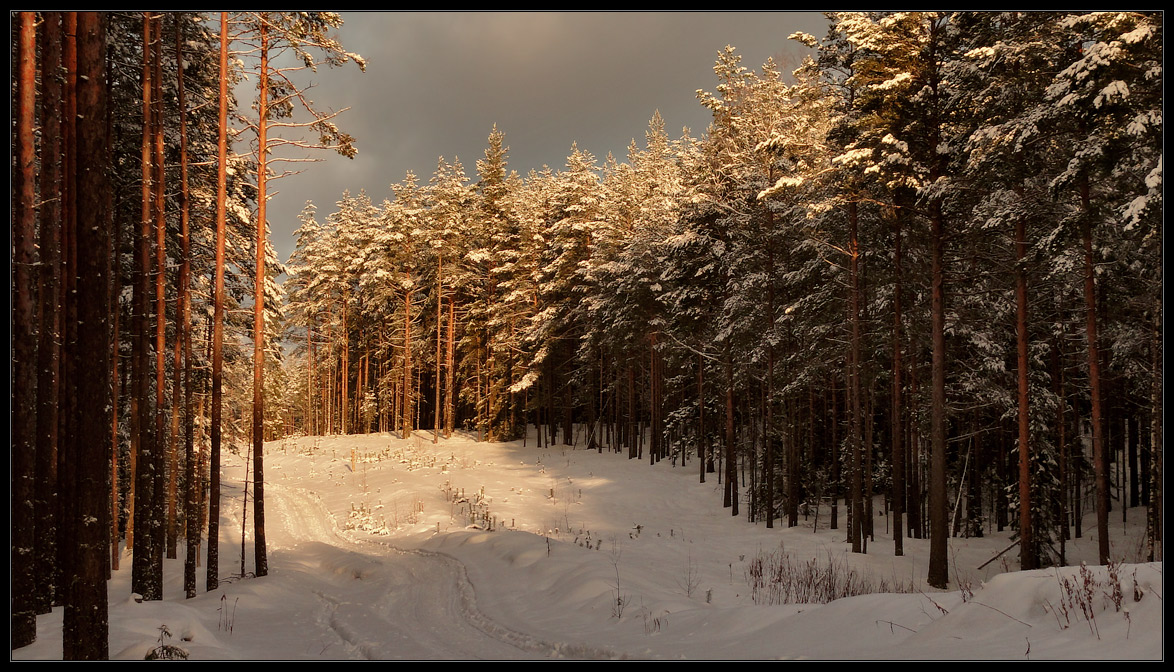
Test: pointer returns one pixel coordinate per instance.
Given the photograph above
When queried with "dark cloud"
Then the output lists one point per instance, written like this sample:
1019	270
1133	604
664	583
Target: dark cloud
436	83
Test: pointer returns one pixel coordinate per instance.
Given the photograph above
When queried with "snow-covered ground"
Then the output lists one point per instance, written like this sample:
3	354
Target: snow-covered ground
381	548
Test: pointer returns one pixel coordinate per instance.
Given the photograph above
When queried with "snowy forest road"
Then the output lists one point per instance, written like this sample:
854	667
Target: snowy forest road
380	602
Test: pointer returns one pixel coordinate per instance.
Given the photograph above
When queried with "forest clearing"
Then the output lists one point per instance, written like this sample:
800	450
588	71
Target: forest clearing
885	334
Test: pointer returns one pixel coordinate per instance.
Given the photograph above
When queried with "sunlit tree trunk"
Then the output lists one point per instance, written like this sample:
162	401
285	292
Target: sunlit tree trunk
439	313
406	421
213	575
161	489
261	562
24	341
142	568
190	475
449	408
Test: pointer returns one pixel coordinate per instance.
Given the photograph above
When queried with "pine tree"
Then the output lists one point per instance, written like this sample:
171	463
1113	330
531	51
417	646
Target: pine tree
304	34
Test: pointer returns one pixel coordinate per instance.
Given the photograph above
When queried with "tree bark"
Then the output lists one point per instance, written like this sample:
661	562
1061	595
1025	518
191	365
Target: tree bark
85	624
406	426
439	315
24	342
1154	507
1100	463
701	442
731	449
898	429
48	346
67	421
938	575
1028	557
161	490
191	500
449	408
213	575
856	527
261	563
142	568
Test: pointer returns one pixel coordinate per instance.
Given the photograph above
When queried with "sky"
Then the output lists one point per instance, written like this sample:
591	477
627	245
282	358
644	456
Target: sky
380	548
437	83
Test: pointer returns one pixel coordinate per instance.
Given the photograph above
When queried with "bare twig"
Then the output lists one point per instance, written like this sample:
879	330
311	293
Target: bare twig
892	624
1001	612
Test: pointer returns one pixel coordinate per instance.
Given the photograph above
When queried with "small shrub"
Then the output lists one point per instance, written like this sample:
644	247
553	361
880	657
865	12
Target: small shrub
775	578
166	651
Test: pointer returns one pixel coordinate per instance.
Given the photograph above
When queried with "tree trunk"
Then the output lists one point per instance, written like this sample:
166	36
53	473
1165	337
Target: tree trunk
856	528
142	572
1154	507
835	475
261	563
1100	463
449	407
1028	557
771	430
439	314
344	374
161	495
24	343
406	427
213	574
702	455
67	424
731	449
48	348
938	575
85	623
191	499
898	428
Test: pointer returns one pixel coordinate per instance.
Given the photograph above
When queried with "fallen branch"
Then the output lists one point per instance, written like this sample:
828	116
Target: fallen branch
1000	553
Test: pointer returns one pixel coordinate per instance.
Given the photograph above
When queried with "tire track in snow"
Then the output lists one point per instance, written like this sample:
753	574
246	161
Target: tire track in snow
411	603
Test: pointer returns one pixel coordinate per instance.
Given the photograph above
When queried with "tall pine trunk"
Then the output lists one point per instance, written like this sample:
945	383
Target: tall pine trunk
142	567
67	424
85	622
161	499
48	346
24	342
261	564
938	515
1100	463
898	429
1028	556
191	499
1154	507
731	449
856	526
213	576
439	315
449	408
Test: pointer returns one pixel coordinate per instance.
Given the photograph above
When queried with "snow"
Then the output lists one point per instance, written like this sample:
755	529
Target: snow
1115	89
390	548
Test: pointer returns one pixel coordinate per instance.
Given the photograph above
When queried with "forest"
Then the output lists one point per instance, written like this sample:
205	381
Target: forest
922	271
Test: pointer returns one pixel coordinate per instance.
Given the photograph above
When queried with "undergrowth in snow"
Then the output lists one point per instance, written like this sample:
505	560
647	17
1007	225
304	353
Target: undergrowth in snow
386	548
